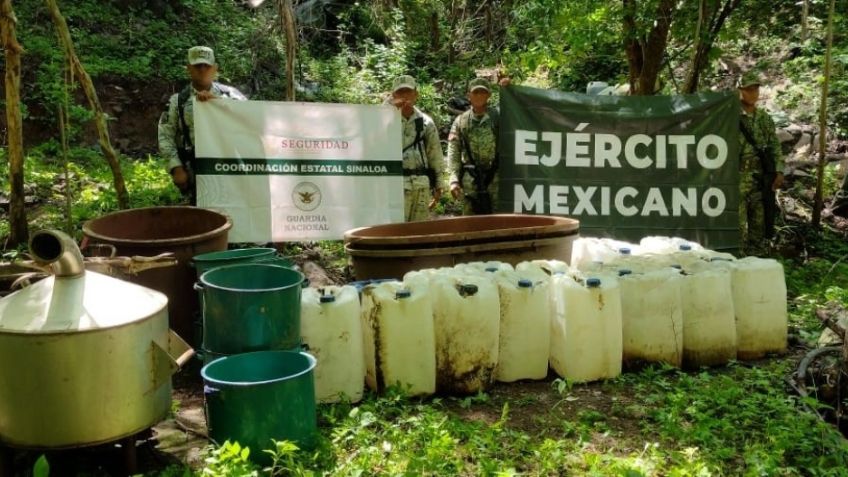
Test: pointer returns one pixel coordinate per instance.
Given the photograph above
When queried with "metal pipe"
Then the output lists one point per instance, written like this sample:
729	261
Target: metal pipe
55	248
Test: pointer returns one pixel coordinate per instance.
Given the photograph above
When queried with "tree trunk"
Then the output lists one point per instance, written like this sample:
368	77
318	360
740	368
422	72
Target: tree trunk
817	208
805	24
450	32
17	208
632	45
93	101
434	32
645	53
490	24
691	84
290	31
706	35
654	50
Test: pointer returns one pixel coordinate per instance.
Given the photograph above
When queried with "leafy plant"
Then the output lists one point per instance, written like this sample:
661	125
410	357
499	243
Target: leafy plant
41	468
230	459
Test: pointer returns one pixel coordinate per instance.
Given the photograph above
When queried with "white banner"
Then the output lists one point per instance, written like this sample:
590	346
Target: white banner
298	171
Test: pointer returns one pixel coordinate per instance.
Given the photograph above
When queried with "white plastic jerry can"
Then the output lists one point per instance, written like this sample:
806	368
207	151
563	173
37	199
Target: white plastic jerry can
549	266
490	266
586	329
331	330
709	328
665	245
652	316
399	340
466	315
525	328
587	250
536	270
759	300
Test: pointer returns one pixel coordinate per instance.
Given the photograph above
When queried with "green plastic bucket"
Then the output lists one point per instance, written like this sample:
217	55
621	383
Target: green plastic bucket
207	261
250	307
253	398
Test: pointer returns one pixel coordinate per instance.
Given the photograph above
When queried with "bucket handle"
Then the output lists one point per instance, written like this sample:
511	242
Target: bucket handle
198	287
107	246
166	362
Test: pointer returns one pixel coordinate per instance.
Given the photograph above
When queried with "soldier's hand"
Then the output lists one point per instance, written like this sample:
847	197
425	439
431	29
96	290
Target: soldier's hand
437	194
180	177
456	190
205	95
778	182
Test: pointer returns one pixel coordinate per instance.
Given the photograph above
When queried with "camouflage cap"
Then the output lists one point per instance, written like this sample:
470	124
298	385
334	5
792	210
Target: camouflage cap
749	78
479	83
404	82
201	55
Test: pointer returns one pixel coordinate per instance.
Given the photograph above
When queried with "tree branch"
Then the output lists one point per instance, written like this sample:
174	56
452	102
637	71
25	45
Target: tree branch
93	101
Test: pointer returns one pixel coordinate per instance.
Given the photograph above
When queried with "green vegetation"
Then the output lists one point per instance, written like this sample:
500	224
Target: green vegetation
739	420
733	421
91	186
350	50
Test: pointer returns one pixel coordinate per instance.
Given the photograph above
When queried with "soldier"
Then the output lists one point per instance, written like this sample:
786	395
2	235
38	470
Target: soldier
176	125
839	206
761	169
472	152
423	163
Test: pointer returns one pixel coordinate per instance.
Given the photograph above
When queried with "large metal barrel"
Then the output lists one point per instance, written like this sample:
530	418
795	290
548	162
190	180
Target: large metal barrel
184	231
391	250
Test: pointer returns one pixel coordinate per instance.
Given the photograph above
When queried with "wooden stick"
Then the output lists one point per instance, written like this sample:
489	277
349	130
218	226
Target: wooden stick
819	204
93	101
831	323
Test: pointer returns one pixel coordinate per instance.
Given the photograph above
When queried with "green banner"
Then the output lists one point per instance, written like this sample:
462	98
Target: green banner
625	166
296	167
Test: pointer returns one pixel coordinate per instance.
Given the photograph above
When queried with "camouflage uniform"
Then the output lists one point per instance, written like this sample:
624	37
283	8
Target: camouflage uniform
751	212
171	134
170	127
425	155
481	134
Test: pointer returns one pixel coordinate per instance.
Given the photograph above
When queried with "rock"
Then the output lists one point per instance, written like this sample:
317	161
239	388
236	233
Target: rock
316	275
797	173
787	141
122	144
780	118
805	140
795	130
806	153
784	136
817	138
842	168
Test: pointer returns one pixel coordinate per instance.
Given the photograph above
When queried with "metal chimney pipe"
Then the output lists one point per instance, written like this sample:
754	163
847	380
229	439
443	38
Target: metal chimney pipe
55	248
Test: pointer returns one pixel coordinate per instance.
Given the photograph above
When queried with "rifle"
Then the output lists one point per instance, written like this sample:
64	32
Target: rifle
185	152
424	170
768	162
481	200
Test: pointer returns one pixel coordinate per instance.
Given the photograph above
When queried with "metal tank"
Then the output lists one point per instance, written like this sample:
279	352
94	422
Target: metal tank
84	358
